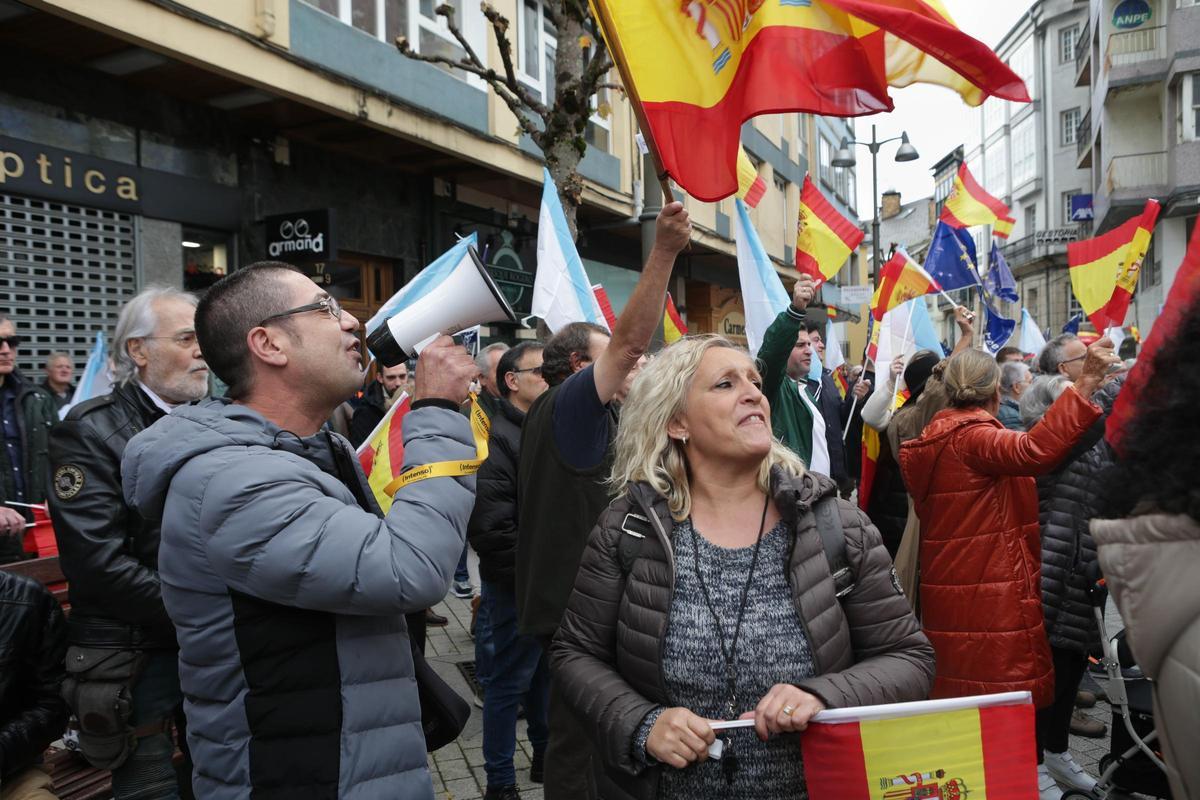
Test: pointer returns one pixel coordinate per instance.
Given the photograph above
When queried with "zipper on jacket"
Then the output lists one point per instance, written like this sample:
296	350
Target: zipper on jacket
670	551
812	644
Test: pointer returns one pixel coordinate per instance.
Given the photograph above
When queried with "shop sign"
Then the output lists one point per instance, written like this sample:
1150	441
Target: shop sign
855	295
71	177
1081	208
301	236
508	271
732	324
1131	14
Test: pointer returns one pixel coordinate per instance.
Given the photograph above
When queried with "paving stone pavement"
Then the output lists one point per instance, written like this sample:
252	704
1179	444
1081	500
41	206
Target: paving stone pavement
457	768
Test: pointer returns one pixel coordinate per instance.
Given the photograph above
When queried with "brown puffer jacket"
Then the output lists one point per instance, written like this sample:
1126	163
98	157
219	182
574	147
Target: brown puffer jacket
867	649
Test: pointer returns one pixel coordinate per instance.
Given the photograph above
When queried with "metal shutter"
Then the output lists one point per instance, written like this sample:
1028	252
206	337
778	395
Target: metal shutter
65	271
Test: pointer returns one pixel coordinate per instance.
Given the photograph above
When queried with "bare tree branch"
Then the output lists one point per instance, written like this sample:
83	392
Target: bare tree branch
500	25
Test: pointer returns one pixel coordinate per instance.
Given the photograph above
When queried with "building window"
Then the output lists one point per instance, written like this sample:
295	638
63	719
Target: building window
993	116
1030	293
1187	104
1186	3
1021	63
995	168
1070	126
1073	306
825	167
802	136
1068	40
1066	206
781	186
975	167
1024	151
1030	219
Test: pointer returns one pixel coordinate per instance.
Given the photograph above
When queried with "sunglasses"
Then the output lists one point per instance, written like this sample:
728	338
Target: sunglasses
12	341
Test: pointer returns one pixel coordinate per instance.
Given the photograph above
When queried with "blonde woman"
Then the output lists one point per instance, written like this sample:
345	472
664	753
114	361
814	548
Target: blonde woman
726	608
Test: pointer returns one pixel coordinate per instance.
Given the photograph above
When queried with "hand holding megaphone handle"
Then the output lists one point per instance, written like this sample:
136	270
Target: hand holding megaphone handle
444	371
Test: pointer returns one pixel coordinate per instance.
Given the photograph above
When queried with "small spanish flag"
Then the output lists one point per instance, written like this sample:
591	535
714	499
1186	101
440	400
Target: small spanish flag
968	204
839	380
751	186
382	453
1104	270
969	747
901	280
673	327
824	238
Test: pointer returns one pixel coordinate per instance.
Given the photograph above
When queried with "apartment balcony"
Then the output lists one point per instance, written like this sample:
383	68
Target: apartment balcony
1083	141
1083	56
1044	247
1136	56
1136	173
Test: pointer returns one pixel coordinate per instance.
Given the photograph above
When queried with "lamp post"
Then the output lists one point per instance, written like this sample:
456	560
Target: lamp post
845	158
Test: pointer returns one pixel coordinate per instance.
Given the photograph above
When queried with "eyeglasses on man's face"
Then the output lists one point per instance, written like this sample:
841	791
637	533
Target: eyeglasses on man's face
327	304
13	342
535	370
184	341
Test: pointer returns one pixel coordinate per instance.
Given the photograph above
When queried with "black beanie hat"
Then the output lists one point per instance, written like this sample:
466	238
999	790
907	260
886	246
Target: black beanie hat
919	368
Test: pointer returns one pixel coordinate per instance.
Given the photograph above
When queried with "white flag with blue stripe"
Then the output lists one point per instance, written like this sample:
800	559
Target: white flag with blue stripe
426	281
763	294
562	292
1032	340
96	379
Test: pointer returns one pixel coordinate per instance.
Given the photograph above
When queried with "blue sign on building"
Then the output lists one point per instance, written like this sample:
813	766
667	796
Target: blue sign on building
1081	208
1131	14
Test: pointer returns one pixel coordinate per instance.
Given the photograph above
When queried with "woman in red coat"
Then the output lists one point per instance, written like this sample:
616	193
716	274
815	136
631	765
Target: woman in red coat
972	484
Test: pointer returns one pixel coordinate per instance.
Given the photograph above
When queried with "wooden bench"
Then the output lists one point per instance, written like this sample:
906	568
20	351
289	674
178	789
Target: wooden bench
74	778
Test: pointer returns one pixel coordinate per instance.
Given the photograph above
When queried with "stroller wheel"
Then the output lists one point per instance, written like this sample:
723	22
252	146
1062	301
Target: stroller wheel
1105	762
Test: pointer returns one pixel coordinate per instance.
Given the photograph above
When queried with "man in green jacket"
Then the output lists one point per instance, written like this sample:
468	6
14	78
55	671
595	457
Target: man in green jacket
784	358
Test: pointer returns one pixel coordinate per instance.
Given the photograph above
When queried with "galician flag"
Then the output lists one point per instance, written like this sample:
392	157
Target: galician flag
382	453
965	748
562	293
762	291
968	204
824	238
96	379
1104	270
1032	340
703	67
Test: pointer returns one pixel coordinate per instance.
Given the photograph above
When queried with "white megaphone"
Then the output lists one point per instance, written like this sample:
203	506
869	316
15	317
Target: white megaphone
465	298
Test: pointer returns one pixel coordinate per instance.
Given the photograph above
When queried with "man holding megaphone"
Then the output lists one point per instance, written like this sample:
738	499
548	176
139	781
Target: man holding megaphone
287	586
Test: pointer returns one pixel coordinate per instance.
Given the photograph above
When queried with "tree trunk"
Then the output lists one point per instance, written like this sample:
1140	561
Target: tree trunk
563	142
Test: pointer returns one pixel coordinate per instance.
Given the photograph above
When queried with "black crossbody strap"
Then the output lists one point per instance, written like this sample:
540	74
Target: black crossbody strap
634	530
833	540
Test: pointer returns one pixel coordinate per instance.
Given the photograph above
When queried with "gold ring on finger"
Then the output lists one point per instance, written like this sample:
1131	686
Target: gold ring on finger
787	711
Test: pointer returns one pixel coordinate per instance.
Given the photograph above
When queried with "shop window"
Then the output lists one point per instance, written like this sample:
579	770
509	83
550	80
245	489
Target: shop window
205	258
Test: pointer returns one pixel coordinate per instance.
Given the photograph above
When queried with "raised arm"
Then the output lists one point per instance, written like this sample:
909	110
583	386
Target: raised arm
780	337
643	313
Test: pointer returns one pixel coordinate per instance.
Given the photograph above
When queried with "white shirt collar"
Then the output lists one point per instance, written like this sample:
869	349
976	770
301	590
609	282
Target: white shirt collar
158	401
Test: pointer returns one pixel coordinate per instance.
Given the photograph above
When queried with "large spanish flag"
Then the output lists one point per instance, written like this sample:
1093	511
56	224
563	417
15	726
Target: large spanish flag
699	68
901	280
968	204
825	239
1104	270
382	453
970	747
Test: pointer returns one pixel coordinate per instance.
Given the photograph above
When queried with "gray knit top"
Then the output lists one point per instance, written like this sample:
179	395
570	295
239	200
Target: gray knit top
772	648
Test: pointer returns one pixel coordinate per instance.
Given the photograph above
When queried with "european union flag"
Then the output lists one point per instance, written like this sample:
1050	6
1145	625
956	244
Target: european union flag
999	281
952	259
997	330
1072	325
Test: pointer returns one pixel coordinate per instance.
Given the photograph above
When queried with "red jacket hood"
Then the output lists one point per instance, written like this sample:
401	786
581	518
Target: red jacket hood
920	455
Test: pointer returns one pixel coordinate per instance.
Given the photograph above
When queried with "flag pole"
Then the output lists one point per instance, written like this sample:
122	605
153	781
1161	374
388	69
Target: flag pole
609	29
903	347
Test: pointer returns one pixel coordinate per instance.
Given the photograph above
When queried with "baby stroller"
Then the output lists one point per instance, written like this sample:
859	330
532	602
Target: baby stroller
1132	763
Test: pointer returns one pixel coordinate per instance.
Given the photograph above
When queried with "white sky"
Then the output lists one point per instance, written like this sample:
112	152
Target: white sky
933	116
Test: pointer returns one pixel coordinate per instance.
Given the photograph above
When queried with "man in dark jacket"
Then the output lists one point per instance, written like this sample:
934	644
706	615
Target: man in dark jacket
33	642
376	401
565	458
109	553
59	371
26	414
516	666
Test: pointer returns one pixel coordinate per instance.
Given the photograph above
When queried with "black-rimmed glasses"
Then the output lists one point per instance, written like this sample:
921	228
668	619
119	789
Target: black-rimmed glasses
535	370
327	304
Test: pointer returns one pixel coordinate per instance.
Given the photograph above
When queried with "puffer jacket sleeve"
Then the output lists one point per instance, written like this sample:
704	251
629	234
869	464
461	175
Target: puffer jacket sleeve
584	651
894	661
25	735
993	452
492	530
277	535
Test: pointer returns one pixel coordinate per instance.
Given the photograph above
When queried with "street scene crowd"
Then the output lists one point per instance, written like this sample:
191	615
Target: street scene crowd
657	550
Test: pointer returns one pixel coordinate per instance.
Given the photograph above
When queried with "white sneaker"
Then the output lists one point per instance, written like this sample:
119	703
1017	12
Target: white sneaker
1047	788
1067	772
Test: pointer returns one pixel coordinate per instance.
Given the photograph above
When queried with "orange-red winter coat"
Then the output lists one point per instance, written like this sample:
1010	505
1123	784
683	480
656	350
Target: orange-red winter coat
971	481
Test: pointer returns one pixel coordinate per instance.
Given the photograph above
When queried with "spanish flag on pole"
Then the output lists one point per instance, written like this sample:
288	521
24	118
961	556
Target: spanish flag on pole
382	453
967	747
968	204
825	239
900	280
695	66
1104	270
751	186
674	328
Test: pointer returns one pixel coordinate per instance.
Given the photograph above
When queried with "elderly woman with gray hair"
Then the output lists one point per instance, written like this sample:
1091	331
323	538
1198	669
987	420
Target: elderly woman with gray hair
1015	378
706	594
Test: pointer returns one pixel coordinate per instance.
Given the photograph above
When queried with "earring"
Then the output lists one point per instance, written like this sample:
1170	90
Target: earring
684	439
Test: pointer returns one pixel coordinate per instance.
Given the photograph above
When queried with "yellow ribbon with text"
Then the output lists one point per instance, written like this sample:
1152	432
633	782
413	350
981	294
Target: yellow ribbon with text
480	428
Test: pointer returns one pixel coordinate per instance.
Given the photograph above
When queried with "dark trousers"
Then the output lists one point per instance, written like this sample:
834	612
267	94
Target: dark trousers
416	629
1054	721
569	773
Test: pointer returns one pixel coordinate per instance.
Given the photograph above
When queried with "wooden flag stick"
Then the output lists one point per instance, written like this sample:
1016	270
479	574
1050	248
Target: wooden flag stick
609	28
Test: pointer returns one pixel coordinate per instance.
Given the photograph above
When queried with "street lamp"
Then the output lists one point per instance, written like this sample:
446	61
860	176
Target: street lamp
844	157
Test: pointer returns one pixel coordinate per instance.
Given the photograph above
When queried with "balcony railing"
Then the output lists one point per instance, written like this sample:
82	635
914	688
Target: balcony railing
1083	52
1133	47
1083	135
1136	171
1043	244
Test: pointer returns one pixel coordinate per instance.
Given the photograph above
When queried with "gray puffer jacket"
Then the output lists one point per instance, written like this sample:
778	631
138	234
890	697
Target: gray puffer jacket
288	590
868	648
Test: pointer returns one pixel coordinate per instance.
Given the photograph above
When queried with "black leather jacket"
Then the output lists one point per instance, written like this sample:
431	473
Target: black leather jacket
33	644
108	553
492	530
